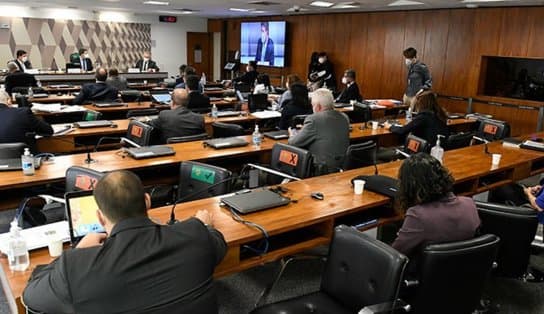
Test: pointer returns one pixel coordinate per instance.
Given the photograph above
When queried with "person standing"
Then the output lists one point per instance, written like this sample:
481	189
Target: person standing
323	74
418	78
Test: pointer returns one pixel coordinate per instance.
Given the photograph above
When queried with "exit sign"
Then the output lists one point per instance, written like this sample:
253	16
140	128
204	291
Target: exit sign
168	18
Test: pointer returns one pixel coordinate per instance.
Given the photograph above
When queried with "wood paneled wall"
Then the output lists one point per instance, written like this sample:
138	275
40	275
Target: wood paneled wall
450	41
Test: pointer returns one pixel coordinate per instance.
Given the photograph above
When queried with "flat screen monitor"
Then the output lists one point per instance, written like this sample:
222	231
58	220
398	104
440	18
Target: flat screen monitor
263	42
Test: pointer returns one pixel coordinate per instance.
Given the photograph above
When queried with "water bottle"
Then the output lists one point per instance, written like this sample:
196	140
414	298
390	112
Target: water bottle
214	111
27	161
257	139
203	79
409	115
17	250
38	83
30	92
437	151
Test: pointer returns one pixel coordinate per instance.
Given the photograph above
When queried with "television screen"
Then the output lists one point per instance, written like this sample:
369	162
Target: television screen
263	42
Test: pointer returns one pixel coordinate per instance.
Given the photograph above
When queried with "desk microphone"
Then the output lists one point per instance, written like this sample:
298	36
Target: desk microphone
88	160
483	140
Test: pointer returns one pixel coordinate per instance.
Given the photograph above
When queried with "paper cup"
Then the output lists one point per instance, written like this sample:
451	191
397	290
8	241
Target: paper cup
374	125
55	247
495	159
358	186
352	102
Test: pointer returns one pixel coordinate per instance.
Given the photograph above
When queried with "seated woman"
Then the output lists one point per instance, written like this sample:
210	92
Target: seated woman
291	79
430	121
297	105
433	213
263	85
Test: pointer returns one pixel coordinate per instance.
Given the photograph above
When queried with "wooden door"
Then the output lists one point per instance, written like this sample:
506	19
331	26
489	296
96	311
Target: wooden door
199	52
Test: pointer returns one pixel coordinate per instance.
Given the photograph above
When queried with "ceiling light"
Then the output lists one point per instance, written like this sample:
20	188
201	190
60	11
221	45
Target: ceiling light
404	2
110	16
347	5
153	2
322	4
258	11
238	10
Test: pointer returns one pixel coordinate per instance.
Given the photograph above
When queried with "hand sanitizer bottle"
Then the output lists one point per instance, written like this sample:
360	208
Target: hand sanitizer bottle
214	111
27	161
257	136
203	79
17	250
437	151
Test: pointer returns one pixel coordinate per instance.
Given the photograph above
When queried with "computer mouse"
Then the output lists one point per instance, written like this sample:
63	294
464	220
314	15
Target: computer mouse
318	196
113	125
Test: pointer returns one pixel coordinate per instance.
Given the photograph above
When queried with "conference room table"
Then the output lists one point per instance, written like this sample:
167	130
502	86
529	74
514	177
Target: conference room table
306	223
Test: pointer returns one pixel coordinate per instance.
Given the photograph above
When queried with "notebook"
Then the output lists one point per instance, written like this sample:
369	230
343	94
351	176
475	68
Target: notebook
277	135
150	151
256	200
93	124
81	213
10	164
226	142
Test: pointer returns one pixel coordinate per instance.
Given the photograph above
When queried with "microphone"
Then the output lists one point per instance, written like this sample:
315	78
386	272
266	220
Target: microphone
483	140
400	152
274	172
126	140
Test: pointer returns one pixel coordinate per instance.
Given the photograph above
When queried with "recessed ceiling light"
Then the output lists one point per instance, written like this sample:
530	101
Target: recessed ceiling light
153	2
347	5
322	4
404	2
238	10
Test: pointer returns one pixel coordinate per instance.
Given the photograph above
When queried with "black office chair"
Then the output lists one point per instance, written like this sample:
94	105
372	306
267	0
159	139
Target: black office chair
493	130
414	144
291	160
142	112
452	275
221	129
516	226
459	140
188	138
12	150
139	132
360	155
198	180
22	101
298	120
80	178
257	102
130	95
360	272
361	113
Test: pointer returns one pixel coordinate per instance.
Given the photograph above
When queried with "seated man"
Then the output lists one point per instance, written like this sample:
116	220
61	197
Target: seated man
250	76
18	78
325	133
179	121
98	91
146	64
84	60
21	59
189	70
351	92
137	266
17	122
117	81
198	102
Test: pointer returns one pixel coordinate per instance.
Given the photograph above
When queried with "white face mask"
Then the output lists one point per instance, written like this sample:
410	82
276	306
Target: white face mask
408	62
25	59
321	60
345	80
146	59
248	69
86	56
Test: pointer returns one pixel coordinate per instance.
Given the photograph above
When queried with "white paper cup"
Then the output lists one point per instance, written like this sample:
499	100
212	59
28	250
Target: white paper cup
352	102
55	247
495	159
358	186
374	125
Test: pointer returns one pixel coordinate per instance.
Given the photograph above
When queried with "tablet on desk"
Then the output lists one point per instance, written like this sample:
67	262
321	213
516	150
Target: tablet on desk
81	213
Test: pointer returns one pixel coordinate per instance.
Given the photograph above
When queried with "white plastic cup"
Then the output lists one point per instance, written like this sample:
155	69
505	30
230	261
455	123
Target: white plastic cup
374	125
352	102
274	107
55	247
496	159
358	186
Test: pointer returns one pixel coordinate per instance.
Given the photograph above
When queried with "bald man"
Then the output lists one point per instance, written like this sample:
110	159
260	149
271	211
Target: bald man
98	91
178	121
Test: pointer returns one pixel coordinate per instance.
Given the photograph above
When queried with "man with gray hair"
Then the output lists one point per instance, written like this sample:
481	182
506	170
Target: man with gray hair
18	78
178	121
325	133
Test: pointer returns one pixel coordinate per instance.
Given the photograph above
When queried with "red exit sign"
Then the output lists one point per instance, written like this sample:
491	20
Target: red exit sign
168	18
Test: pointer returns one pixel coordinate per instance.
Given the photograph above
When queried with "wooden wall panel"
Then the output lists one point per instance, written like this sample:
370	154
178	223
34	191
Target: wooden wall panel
392	55
535	42
514	32
436	40
358	47
373	55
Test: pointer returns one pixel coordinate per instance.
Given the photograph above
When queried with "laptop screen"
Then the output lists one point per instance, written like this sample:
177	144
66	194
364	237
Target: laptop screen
162	98
81	208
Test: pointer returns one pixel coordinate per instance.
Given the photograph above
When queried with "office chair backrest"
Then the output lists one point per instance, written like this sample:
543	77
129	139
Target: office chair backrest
12	150
257	102
294	161
91	115
195	177
130	95
139	132
516	226
414	144
221	129
361	270
74	57
493	130
142	112
459	140
81	179
188	138
298	120
361	112
453	275
360	155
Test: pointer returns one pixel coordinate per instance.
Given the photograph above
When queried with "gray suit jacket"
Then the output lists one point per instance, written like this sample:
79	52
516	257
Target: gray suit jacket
326	135
178	122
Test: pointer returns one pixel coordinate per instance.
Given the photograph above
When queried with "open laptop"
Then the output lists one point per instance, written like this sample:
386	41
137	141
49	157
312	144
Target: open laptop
150	151
227	142
10	164
93	124
161	98
255	201
81	213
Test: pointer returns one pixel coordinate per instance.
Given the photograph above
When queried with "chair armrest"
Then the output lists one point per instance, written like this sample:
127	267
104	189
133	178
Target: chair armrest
398	306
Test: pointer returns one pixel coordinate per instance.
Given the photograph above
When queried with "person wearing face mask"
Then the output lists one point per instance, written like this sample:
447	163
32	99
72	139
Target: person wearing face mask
418	79
21	61
351	92
291	79
84	60
265	47
322	74
146	64
250	76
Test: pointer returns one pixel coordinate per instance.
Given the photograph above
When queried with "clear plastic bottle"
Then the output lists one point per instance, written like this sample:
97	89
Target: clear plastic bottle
27	162
30	92
214	111
409	115
257	139
437	151
17	250
203	79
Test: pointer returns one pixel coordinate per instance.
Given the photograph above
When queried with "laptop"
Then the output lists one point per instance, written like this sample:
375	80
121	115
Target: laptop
227	142
277	135
255	201
93	124
10	164
150	151
227	113
81	213
161	98
109	104
40	95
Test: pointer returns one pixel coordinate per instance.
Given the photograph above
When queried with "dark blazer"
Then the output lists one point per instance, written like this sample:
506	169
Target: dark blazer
328	77
19	79
142	267
27	64
87	62
269	53
99	91
16	122
178	122
247	78
150	65
118	82
288	111
351	92
198	101
425	125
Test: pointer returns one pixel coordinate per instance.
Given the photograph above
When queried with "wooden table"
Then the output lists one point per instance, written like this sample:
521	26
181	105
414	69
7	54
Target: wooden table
65	99
309	223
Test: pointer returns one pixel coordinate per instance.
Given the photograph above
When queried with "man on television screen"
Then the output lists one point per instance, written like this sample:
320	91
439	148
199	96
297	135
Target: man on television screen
265	47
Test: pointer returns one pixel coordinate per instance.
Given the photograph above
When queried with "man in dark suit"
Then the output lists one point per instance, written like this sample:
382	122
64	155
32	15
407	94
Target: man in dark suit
198	102
21	60
351	92
265	46
137	266
325	133
17	78
250	76
179	121
17	122
98	91
84	60
146	64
